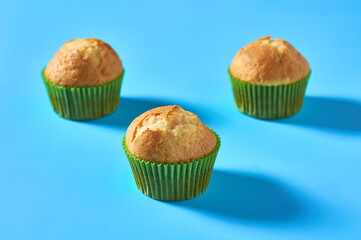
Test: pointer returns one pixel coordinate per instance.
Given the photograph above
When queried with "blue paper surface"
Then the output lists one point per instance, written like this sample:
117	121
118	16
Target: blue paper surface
296	178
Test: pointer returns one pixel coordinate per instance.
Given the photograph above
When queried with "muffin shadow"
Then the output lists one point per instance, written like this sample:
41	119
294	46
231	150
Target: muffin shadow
328	113
131	107
243	196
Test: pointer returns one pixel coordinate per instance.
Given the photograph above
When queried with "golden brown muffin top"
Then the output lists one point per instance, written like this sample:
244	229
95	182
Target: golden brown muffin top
169	134
269	61
84	62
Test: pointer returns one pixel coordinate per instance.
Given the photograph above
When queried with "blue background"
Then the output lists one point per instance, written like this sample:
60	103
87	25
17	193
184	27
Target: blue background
297	178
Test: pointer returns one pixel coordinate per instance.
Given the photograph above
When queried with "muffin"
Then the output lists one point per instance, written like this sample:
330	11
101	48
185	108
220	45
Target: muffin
171	153
83	79
269	79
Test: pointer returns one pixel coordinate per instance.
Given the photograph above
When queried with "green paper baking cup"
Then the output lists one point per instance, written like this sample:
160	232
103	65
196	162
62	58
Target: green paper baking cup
84	103
269	102
172	181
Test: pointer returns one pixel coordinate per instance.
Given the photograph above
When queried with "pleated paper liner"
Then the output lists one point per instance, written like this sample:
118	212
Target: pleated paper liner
173	182
84	103
269	102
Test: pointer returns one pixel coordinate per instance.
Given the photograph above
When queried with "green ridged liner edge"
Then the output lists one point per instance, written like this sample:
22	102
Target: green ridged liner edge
269	102
84	103
173	182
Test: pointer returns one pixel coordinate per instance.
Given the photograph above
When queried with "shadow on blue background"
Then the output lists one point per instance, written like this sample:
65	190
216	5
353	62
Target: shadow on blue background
245	196
130	108
328	113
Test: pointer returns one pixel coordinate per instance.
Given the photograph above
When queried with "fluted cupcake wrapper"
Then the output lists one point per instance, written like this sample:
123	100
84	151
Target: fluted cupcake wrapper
172	182
269	102
84	103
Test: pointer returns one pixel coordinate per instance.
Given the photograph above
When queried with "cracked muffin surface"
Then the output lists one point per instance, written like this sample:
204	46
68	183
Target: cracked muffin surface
84	62
269	61
169	134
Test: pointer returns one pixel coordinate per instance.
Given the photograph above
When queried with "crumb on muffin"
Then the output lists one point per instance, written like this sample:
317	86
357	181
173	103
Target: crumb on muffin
169	134
269	61
84	62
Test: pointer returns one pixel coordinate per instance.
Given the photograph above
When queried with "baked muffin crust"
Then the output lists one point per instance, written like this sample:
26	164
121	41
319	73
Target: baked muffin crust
169	134
84	62
269	61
